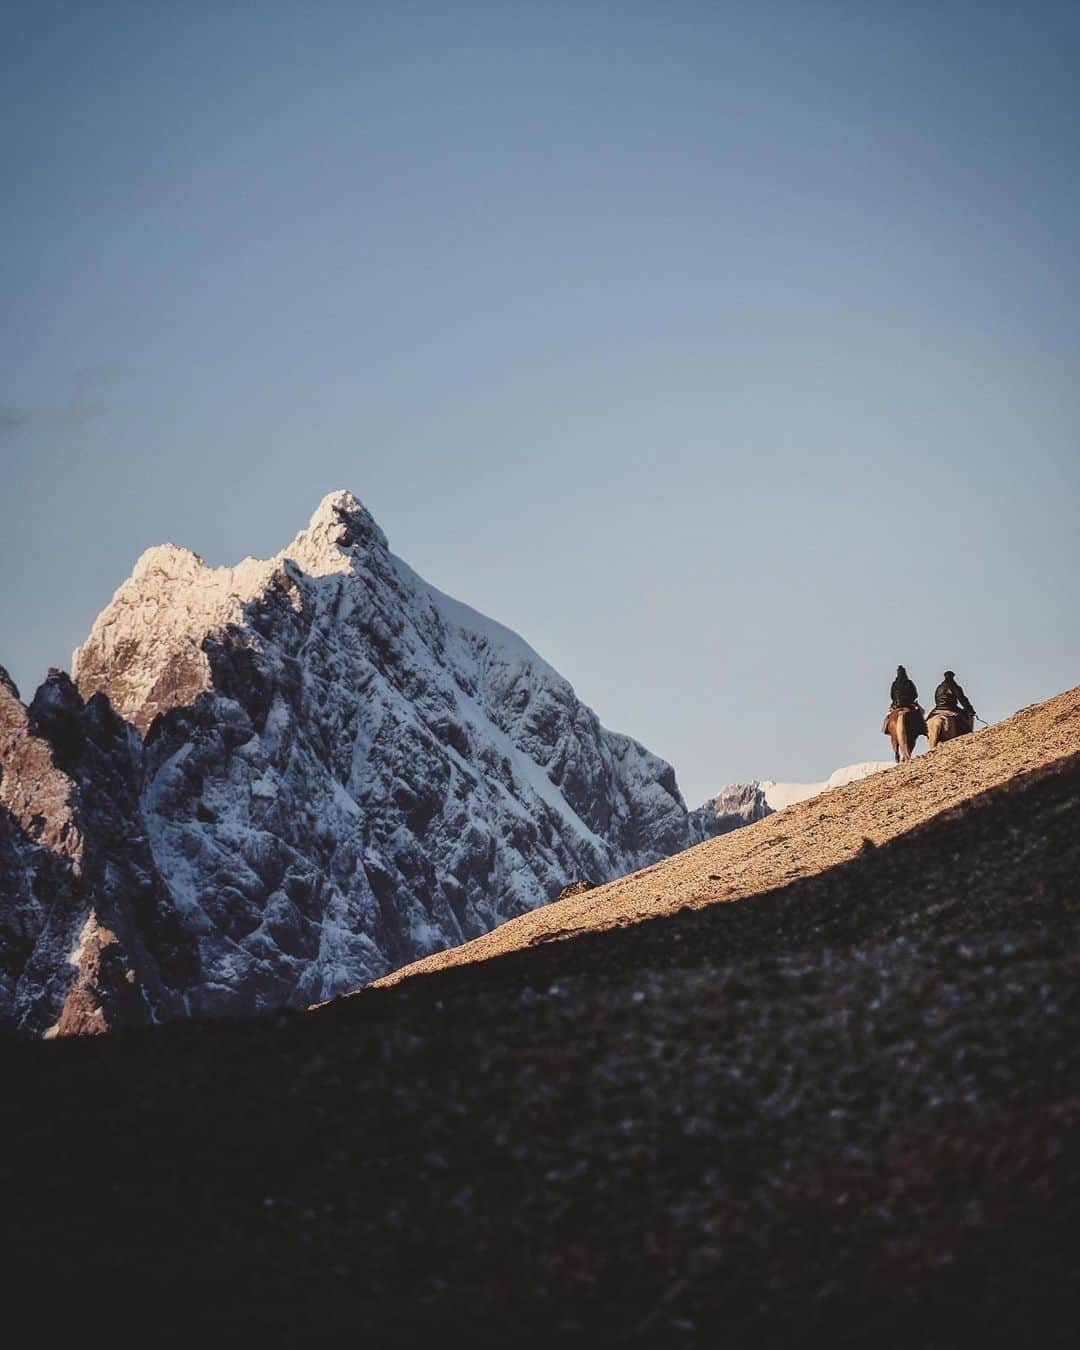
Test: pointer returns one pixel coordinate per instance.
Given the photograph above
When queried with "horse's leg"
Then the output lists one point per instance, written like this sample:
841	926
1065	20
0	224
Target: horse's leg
902	736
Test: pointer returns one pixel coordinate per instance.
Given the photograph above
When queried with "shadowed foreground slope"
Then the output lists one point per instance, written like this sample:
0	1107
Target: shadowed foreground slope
846	1108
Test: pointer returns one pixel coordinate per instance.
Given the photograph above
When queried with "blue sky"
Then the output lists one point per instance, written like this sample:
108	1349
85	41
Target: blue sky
727	352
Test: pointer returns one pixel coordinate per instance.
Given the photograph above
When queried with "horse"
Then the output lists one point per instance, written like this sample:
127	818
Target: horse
904	727
943	725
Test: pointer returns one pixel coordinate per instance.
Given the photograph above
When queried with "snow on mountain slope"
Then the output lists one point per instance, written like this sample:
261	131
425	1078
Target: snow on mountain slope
332	769
779	795
743	803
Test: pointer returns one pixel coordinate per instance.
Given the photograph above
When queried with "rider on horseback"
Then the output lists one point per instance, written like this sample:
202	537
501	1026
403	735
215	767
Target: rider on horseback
952	715
902	694
902	691
949	697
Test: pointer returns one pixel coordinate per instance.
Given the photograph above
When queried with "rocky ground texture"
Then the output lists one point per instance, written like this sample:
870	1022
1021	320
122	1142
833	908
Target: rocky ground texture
844	1109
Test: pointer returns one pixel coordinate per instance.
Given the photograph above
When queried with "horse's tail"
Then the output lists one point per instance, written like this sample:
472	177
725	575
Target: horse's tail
902	733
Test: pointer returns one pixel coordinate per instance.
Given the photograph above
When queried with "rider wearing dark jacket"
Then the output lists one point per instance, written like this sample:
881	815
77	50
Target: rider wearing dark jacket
949	695
903	692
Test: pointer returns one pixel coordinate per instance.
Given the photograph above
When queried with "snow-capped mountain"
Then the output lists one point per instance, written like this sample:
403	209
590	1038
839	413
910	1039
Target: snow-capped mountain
270	783
743	803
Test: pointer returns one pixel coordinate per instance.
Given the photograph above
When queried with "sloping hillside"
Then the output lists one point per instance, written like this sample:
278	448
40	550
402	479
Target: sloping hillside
802	840
844	1111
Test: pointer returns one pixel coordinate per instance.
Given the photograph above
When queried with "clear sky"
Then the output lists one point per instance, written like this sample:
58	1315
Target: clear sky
726	351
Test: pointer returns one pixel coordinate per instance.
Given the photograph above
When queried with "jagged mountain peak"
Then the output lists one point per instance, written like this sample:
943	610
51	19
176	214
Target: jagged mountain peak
168	560
340	522
340	501
327	768
147	648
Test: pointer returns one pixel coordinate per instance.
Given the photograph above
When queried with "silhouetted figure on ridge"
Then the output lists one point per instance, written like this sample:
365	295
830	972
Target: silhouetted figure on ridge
952	714
903	692
949	696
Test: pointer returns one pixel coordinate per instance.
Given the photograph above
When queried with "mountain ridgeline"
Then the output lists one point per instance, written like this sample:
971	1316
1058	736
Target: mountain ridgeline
744	803
267	784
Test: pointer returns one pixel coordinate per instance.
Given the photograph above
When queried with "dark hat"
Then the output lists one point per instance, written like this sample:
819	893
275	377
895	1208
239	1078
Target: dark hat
950	674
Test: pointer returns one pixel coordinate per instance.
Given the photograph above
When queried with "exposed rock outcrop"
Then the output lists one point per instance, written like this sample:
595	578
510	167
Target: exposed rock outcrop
90	938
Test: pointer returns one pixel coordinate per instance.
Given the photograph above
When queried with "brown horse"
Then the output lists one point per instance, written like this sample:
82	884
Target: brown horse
904	726
944	725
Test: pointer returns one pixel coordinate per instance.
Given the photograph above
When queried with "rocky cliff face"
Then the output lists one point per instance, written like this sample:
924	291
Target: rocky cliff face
271	783
89	938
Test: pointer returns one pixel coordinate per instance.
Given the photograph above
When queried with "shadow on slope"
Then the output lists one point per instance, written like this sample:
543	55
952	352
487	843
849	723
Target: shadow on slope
847	1109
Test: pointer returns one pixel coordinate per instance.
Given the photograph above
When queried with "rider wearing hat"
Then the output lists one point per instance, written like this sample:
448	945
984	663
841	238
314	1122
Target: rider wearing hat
903	692
950	696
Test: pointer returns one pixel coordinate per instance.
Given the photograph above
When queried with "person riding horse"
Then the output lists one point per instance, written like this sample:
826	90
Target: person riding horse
902	691
952	714
949	697
902	694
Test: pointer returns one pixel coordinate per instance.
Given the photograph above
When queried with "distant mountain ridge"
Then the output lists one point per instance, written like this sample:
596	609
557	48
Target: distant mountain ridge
743	803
